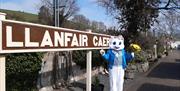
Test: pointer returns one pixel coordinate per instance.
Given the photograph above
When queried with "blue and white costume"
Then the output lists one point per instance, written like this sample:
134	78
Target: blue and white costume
117	58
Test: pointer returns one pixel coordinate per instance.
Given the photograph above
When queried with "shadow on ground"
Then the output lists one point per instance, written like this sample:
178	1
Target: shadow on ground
166	70
79	85
155	87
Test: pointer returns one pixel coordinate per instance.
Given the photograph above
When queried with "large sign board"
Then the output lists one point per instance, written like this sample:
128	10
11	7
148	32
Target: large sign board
28	37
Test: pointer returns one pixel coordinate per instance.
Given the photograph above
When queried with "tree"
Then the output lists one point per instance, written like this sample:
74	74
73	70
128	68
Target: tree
137	15
113	31
98	26
86	23
66	9
169	23
44	16
81	19
81	22
101	26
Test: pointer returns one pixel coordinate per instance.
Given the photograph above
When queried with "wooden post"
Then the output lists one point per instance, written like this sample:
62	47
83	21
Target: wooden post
88	68
2	73
2	58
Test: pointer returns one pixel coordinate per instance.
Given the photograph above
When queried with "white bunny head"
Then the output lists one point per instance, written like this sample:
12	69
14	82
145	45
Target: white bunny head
116	43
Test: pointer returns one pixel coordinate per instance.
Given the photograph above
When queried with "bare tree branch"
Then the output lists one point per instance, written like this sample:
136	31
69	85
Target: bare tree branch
168	8
167	4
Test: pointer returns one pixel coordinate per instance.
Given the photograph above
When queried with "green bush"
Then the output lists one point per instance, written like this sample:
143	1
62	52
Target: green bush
160	48
146	41
97	60
96	81
140	57
79	57
22	71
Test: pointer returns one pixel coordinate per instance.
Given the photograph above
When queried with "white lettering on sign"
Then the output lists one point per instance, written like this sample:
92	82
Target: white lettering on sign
46	40
105	41
67	38
74	41
101	41
28	43
95	39
84	40
58	39
9	42
53	39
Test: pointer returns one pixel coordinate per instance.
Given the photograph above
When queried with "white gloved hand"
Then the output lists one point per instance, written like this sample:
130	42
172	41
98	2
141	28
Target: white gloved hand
132	54
102	52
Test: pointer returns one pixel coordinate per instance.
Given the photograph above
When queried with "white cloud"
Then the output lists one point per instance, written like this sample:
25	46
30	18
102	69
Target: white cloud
30	6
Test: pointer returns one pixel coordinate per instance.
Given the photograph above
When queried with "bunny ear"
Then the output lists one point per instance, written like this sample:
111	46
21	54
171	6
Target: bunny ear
112	37
110	40
120	37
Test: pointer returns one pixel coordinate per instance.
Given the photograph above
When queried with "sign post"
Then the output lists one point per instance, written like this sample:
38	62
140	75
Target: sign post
88	68
2	73
2	59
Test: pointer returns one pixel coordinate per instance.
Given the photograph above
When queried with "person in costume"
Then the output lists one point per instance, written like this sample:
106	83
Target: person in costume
117	59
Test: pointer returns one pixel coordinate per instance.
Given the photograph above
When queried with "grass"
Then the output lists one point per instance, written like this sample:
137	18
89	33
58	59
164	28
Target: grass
20	16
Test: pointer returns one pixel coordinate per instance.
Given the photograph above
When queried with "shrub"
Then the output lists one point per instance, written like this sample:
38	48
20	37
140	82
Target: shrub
22	71
140	57
79	57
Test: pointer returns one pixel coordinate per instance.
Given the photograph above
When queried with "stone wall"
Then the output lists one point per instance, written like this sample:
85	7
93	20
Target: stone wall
133	68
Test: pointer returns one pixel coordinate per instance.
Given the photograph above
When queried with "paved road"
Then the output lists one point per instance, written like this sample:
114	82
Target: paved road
164	76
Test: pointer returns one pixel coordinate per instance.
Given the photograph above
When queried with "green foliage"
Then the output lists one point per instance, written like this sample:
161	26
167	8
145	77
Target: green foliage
97	60
79	57
160	48
136	15
96	81
22	71
75	25
21	16
45	17
161	45
113	31
140	57
146	41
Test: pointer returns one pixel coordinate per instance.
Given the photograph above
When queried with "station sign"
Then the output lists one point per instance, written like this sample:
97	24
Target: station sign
19	36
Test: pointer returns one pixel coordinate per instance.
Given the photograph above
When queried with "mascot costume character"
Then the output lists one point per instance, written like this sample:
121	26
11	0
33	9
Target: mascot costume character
117	59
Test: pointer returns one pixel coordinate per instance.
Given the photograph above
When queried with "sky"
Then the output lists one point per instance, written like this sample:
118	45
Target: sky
88	8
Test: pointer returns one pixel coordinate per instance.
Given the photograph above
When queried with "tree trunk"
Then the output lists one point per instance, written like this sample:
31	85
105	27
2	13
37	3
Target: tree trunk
56	70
